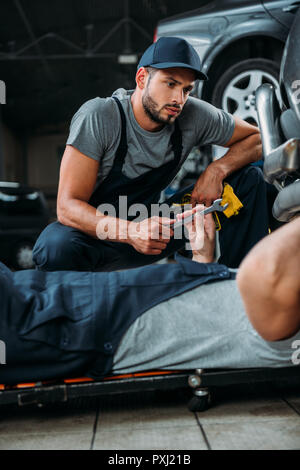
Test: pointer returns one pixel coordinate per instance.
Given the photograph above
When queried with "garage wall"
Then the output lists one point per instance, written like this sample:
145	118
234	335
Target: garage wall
34	161
44	155
41	155
12	156
43	159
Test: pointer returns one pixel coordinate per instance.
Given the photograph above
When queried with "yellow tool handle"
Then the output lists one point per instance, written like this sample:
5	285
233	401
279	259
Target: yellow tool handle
217	221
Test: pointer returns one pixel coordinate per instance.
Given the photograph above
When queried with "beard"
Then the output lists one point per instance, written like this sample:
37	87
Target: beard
152	111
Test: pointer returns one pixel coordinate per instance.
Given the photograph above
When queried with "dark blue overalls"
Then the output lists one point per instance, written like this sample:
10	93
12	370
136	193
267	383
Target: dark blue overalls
61	247
64	324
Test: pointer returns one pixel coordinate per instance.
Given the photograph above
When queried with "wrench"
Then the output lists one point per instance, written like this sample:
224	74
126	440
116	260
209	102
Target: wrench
216	206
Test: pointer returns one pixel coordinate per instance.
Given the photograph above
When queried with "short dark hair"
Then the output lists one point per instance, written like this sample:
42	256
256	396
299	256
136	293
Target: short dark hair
151	71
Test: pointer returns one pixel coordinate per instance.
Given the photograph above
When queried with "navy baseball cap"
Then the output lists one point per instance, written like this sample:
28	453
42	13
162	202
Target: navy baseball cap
170	52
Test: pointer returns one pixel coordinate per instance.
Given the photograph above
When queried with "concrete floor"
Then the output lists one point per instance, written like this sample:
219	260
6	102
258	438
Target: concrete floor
248	417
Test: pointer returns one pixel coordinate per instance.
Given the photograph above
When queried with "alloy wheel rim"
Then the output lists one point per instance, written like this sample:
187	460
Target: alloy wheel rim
239	95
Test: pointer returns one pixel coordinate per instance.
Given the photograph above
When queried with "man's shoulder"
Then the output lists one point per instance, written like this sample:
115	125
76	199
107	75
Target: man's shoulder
212	124
97	106
194	104
122	94
105	107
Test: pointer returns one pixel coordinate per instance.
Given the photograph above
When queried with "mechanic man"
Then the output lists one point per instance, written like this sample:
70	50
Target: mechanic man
133	144
181	315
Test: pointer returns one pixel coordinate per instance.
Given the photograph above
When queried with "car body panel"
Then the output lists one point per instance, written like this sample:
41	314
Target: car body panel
290	68
215	8
282	10
228	32
240	31
219	24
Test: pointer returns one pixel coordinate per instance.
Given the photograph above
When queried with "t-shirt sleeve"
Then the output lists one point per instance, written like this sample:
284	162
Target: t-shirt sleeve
88	131
213	125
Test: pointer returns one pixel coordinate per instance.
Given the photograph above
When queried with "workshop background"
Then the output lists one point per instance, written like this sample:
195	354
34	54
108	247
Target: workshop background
53	57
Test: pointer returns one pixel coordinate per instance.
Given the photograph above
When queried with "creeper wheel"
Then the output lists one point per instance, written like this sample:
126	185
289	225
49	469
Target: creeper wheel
200	401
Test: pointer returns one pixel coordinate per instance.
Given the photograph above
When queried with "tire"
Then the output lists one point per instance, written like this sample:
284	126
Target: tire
235	90
22	255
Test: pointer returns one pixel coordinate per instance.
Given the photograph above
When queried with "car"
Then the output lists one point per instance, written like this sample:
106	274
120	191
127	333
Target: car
240	43
24	213
280	130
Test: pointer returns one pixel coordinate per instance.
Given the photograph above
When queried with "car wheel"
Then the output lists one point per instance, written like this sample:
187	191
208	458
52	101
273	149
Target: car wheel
22	255
235	90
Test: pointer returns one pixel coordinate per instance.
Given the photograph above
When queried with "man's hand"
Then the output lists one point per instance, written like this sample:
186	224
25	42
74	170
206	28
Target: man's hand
150	236
202	234
244	148
208	187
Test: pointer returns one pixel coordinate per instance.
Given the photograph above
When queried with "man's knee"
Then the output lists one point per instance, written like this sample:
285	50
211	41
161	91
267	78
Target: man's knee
255	174
246	178
54	249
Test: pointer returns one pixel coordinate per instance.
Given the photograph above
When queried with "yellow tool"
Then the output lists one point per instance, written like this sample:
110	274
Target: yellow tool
234	204
217	221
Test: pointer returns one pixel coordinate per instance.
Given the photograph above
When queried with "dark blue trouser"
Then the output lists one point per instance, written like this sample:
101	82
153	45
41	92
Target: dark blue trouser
60	247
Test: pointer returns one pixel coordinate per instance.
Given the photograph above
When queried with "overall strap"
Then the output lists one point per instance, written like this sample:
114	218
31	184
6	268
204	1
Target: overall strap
122	149
176	139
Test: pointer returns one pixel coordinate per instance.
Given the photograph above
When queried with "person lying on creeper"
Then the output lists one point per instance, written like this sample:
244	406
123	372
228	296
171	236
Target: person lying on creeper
189	314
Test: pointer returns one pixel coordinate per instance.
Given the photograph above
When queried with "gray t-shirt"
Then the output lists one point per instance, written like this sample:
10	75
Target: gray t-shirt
96	131
206	327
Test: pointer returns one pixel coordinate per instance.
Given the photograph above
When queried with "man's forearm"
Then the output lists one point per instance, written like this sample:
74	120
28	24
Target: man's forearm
239	155
84	217
149	236
209	185
202	258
